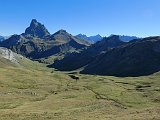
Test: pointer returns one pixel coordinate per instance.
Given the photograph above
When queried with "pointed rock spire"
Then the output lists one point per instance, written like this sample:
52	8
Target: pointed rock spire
36	29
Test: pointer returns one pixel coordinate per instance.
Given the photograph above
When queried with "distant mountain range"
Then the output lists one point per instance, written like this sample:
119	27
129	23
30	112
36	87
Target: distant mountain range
91	39
38	43
98	37
114	55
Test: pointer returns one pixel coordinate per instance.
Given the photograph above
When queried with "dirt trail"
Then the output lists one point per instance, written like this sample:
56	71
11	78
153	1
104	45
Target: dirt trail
101	96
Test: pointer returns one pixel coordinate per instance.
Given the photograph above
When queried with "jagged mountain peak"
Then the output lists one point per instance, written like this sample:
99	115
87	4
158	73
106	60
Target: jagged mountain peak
37	29
34	21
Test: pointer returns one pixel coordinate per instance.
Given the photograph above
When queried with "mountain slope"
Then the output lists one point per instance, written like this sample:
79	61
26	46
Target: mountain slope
134	59
77	60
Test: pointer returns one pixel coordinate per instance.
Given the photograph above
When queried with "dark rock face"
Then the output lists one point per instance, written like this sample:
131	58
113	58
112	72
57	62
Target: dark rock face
36	29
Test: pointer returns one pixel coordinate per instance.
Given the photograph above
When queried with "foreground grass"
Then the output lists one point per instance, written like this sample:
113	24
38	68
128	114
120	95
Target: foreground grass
34	92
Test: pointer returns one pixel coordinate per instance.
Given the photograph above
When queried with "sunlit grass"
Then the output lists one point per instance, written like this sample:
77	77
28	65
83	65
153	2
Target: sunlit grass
34	92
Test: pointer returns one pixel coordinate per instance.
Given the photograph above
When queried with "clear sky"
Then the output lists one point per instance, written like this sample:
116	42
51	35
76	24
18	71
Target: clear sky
125	17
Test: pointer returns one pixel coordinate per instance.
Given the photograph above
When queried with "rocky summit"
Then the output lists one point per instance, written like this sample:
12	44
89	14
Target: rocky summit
36	29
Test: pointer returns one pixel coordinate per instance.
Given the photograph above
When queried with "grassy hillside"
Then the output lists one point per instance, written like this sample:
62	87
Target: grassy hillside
34	92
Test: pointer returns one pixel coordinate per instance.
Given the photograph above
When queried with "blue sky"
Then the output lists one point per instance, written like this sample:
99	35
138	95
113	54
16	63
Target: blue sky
125	17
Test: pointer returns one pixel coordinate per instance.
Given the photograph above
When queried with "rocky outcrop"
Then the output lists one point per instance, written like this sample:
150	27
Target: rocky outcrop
9	55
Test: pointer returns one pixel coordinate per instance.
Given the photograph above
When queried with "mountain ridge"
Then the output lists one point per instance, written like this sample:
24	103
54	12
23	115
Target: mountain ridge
96	38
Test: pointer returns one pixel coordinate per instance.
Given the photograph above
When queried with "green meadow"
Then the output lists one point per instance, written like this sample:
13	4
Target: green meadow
32	91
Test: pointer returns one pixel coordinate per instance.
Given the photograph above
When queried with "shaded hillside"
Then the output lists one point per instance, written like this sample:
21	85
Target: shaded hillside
134	59
77	60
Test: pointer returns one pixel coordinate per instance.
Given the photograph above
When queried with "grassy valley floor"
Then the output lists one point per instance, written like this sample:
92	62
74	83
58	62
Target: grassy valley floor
34	92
